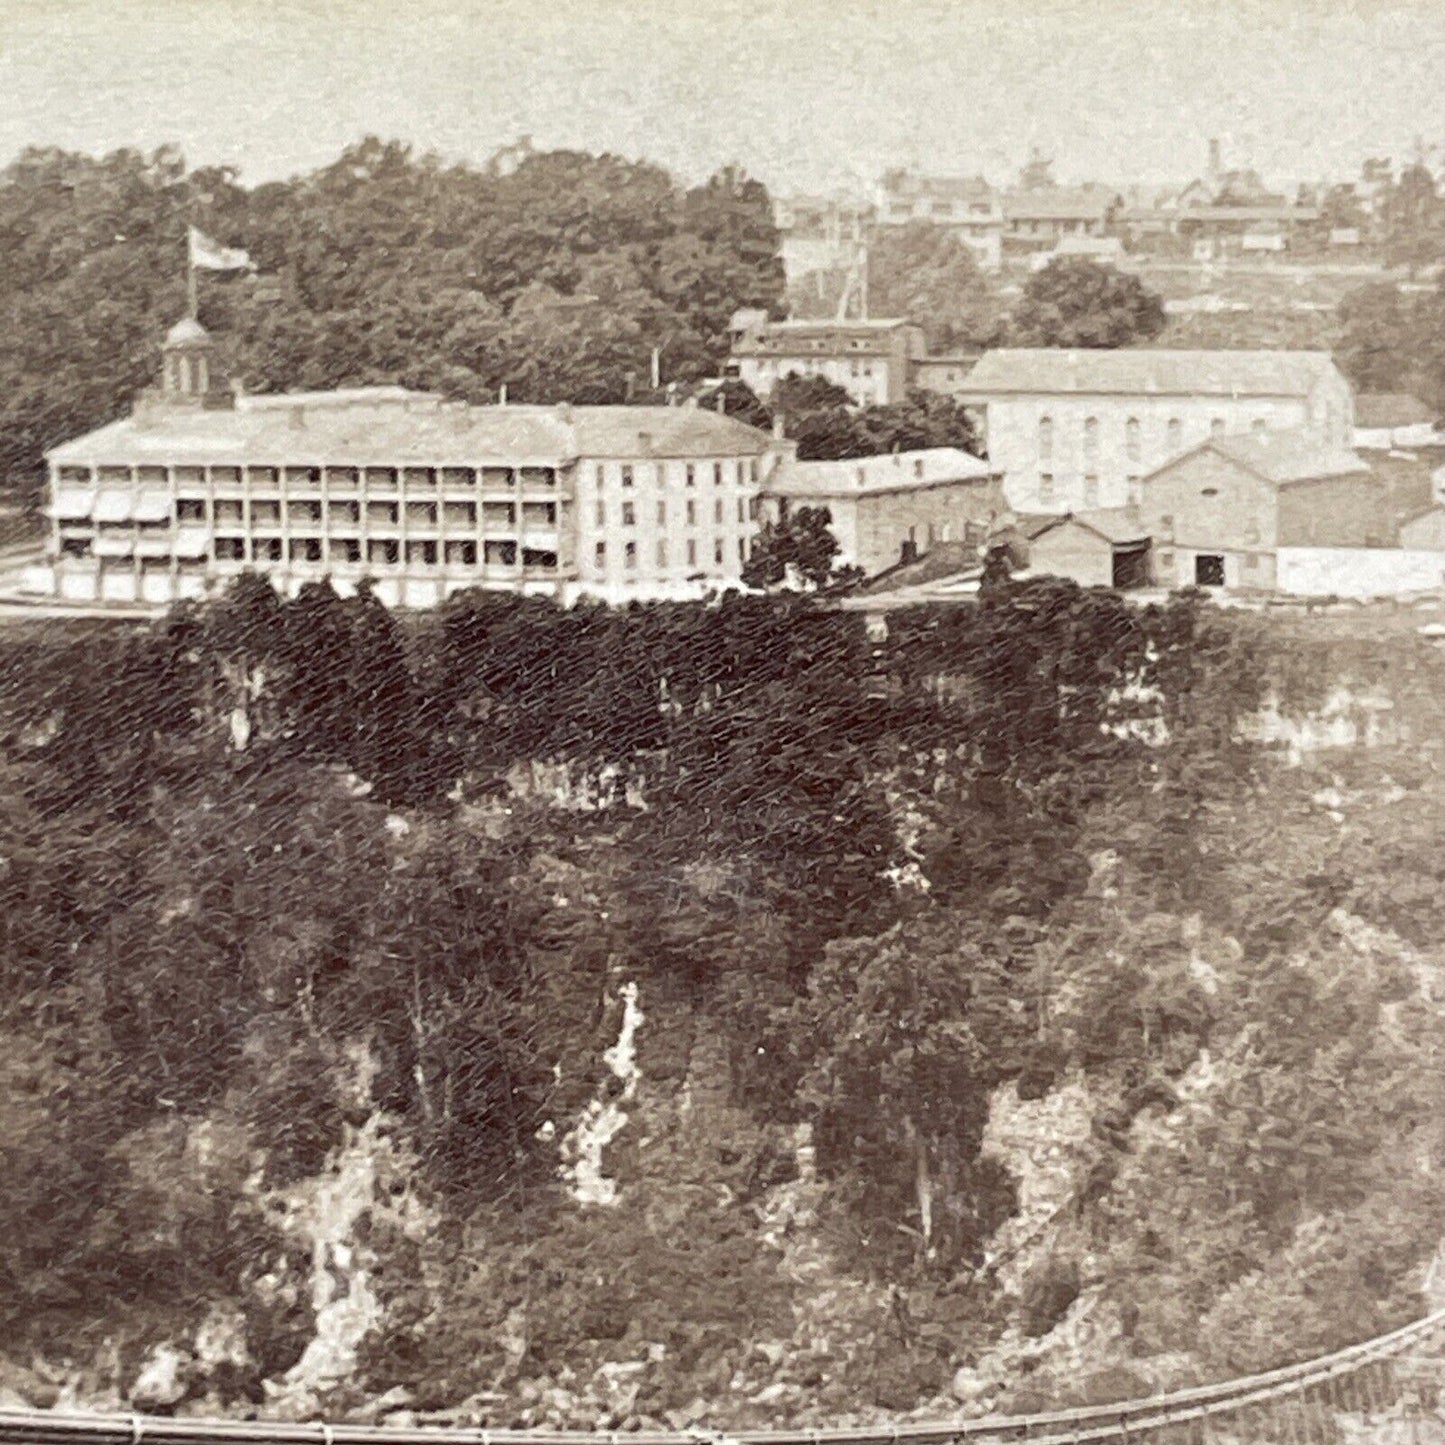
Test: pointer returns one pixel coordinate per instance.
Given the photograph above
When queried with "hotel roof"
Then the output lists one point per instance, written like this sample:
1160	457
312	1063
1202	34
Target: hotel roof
426	433
1052	370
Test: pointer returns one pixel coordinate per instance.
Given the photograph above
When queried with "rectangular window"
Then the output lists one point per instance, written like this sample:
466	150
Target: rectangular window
629	556
661	513
690	477
601	513
717	552
229	513
346	549
418	479
499	514
461	554
342	479
455	476
424	553
629	515
303	512
691	552
738	472
753	470
345	514
601	475
499	553
386	550
421	514
626	476
539	559
1046	486
231	549
190	509
742	510
381	514
265	514
460	516
661	552
717	511
539	514
742	550
1091	490
717	474
539	477
505	476
599	556
381	479
660	472
691	512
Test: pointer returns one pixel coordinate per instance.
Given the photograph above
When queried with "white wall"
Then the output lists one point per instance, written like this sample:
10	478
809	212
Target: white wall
1013	440
1357	571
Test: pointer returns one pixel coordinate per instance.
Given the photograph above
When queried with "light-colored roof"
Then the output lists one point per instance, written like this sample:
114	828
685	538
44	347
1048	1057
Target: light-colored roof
186	331
1285	457
398	435
1390	409
342	396
1119	526
1051	370
889	472
1058	203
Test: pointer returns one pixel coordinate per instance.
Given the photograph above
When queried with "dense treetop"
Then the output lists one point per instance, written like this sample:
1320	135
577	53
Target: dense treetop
557	278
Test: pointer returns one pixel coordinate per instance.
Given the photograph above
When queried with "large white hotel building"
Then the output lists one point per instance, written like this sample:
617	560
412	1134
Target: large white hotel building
423	496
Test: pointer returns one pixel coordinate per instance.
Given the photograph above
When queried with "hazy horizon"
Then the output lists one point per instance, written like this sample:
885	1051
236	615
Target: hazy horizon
807	96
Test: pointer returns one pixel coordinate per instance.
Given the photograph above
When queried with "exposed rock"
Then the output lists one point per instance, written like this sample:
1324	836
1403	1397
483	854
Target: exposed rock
164	1378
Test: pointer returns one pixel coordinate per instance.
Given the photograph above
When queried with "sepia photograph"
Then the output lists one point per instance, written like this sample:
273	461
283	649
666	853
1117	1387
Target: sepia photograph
722	723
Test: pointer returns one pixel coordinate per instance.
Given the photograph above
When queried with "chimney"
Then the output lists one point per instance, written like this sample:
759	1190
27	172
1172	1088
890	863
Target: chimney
656	367
722	402
502	394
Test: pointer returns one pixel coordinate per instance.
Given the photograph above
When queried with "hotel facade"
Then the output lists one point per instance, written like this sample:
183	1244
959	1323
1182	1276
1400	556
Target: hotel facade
422	496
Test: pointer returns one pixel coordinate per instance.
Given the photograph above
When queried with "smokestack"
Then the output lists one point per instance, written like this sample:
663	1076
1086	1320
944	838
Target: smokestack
656	367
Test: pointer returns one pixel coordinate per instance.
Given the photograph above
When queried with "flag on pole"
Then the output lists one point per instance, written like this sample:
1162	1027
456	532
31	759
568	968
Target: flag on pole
209	255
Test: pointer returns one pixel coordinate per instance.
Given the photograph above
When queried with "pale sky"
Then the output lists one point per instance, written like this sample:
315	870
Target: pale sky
807	94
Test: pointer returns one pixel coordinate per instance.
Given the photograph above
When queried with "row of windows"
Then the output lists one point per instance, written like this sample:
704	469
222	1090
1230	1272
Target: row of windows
386	551
418	514
747	509
1048	491
662	553
1133	446
337	478
628	473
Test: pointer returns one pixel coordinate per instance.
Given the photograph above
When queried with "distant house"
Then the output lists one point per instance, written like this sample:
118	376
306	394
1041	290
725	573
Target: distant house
1074	431
1038	219
871	360
1106	250
1386	419
817	233
946	373
966	205
889	509
1104	548
1221	513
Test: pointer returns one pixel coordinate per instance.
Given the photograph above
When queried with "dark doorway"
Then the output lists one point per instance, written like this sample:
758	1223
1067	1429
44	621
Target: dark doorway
1208	570
1131	567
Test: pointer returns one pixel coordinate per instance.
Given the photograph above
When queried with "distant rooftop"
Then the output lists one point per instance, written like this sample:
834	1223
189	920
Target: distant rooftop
888	472
1061	203
437	434
1285	457
342	397
1128	372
